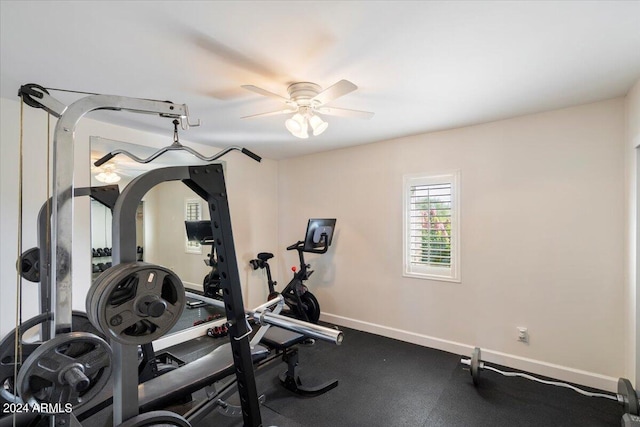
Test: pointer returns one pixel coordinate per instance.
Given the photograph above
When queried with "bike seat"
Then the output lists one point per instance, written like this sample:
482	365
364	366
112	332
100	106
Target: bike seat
264	256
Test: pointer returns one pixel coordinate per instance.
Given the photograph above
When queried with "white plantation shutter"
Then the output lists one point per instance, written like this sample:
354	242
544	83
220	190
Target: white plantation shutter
193	212
431	227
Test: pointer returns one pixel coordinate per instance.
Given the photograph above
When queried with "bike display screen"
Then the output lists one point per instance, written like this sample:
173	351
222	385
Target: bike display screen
315	229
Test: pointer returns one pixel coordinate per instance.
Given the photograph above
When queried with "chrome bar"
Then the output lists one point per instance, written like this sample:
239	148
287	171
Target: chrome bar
305	328
174	147
263	316
279	300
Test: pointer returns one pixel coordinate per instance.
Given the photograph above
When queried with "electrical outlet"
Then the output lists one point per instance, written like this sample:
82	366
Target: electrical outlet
523	334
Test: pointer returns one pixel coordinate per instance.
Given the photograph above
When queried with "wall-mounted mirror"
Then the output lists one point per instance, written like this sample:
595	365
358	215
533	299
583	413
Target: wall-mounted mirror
160	222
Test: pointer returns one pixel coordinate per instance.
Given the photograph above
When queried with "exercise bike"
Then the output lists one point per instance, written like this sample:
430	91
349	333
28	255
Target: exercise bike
200	231
301	303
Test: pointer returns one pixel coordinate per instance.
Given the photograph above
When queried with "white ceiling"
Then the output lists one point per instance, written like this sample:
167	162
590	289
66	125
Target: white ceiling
420	66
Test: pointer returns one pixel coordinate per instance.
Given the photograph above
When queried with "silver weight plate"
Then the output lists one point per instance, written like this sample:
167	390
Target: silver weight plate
629	397
136	303
156	418
475	366
70	368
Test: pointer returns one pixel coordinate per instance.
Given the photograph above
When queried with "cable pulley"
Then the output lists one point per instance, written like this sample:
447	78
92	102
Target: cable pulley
31	96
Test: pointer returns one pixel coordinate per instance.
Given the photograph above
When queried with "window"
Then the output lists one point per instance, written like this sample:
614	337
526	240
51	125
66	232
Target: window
193	212
431	227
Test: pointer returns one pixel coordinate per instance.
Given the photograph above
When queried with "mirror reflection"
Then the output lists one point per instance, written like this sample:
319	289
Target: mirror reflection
161	236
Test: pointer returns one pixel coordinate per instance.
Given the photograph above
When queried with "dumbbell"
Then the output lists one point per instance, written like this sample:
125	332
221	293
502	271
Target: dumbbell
218	331
626	395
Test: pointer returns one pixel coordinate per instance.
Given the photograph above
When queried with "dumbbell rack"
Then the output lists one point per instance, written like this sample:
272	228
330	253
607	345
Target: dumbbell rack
206	181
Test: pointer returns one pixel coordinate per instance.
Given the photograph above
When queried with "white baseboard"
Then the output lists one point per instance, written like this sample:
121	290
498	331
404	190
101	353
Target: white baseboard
518	363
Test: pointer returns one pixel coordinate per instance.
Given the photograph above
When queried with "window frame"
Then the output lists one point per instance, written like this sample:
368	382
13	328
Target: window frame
192	247
447	274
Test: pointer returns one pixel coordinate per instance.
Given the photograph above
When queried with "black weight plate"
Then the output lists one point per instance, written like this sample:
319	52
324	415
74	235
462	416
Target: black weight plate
79	322
114	299
42	376
29	265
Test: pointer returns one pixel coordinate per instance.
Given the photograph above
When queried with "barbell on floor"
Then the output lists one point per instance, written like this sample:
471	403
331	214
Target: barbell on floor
626	395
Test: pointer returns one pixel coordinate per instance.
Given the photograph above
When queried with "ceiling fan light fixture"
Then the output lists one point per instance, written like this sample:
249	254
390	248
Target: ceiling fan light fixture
298	126
294	124
318	125
108	177
304	131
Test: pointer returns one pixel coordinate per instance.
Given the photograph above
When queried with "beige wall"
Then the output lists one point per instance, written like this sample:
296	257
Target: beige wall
542	226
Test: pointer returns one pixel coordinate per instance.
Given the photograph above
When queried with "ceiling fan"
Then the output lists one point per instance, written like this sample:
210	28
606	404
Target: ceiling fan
306	102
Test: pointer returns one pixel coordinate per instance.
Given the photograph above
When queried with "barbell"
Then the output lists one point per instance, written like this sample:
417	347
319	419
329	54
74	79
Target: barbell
626	395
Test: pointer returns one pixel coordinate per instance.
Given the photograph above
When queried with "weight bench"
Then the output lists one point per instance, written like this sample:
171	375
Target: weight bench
162	391
283	342
172	386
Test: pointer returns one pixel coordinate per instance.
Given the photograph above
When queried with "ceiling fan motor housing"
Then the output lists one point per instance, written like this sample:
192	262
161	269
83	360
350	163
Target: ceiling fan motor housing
303	92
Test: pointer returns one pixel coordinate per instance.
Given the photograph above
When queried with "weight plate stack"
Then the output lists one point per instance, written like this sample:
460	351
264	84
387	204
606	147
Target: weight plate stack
70	368
136	303
79	322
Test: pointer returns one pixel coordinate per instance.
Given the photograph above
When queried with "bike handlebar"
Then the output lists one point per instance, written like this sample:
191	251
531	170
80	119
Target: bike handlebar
296	245
299	245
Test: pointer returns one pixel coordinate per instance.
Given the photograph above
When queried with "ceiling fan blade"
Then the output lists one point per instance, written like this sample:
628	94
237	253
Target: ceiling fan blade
264	92
339	89
271	113
344	112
